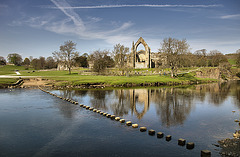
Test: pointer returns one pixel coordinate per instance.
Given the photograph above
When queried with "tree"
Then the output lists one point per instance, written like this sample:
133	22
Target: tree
26	62
201	57
238	57
81	61
216	57
2	61
66	54
119	54
14	58
50	63
173	48
36	64
101	60
42	62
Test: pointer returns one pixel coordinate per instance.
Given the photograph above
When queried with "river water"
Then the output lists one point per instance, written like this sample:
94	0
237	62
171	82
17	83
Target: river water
34	123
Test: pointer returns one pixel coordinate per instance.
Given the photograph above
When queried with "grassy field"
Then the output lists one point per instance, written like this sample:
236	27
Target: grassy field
232	61
62	78
7	81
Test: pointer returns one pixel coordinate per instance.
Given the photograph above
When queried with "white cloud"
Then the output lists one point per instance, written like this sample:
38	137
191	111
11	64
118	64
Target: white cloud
234	16
78	27
70	13
143	5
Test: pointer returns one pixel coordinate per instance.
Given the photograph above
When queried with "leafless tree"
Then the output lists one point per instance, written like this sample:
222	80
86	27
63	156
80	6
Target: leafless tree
201	57
238	57
119	55
216	57
173	49
66	54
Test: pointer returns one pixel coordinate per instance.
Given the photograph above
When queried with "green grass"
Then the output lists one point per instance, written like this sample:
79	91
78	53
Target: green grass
62	78
7	81
232	61
10	69
123	80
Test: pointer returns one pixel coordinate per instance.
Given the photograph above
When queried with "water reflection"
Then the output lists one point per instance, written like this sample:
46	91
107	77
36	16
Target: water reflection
171	105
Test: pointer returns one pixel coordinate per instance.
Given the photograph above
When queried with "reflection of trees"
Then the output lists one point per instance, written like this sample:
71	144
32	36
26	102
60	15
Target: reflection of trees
218	92
69	110
121	103
98	98
236	93
173	105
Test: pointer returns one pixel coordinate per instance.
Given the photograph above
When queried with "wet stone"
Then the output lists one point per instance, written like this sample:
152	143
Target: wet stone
205	153
122	120
181	142
190	145
160	135
117	118
168	138
143	129
151	132
135	125
113	117
128	123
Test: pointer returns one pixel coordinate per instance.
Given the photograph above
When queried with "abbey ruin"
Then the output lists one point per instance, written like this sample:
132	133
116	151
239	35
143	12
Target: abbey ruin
140	59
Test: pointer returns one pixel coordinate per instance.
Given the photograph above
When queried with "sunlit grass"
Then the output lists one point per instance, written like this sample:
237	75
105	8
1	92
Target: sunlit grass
7	81
64	78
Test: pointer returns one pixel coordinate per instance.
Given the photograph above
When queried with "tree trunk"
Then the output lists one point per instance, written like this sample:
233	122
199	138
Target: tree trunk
69	70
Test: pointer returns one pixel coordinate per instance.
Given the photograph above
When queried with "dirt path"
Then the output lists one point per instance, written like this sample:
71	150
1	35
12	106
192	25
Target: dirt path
36	82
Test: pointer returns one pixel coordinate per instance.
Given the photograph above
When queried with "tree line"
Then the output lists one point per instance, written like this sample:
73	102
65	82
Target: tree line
177	54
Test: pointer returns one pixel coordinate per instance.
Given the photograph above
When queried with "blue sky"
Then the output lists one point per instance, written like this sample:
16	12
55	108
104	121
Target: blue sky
38	27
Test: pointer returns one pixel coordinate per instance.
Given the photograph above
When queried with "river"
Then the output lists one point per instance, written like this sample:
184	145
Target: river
34	123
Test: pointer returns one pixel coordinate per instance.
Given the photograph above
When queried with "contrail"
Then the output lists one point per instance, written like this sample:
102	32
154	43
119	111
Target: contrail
142	5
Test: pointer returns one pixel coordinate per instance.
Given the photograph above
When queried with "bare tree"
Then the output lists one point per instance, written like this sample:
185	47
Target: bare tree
238	57
66	54
119	54
173	49
201	57
216	57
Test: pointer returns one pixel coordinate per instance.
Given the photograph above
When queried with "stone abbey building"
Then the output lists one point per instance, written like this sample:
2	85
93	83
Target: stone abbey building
144	58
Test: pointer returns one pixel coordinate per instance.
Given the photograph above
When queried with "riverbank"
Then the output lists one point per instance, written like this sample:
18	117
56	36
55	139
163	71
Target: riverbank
84	79
99	81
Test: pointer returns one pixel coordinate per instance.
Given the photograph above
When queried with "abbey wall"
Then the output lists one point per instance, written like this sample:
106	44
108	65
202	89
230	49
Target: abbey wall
144	58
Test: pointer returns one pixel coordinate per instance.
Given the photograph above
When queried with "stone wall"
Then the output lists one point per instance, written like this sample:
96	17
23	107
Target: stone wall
210	73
